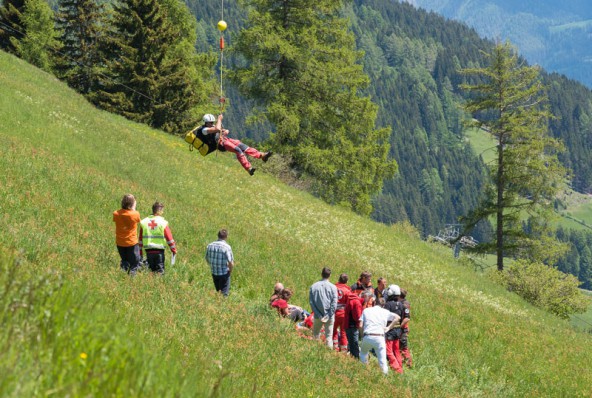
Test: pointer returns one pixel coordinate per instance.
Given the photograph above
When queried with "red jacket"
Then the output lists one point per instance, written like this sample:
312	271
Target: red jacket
343	293
353	311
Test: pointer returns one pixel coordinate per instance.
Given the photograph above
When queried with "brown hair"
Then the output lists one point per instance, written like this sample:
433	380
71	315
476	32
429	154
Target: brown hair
157	208
286	294
343	278
128	201
365	274
222	234
326	273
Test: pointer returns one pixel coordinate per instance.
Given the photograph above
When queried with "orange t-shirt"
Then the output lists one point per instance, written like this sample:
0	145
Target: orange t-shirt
126	227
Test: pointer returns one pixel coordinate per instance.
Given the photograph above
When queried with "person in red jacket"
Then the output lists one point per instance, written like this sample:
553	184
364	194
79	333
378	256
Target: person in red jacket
353	313
339	334
126	222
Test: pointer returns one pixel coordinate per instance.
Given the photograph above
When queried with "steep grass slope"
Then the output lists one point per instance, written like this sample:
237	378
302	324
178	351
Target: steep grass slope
63	169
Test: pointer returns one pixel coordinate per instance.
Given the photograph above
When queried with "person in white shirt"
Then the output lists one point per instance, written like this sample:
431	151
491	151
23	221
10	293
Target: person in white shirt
374	320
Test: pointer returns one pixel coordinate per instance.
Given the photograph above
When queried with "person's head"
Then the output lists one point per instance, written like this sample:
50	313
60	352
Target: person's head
326	273
209	119
381	283
393	293
343	278
368	298
278	287
403	293
157	208
365	277
286	294
222	234
128	202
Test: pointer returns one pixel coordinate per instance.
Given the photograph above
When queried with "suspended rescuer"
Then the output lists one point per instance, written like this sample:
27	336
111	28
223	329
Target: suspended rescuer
217	137
155	235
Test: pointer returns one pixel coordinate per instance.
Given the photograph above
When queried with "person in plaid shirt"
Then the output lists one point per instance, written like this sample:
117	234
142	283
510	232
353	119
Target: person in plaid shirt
221	260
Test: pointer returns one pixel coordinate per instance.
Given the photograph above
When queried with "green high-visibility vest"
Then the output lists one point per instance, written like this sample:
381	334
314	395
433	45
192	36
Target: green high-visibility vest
153	232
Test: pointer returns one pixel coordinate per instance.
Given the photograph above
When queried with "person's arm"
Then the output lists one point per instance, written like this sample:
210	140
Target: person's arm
394	322
141	239
168	236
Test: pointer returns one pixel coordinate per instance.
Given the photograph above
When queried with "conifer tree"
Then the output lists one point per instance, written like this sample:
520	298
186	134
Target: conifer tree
304	72
81	23
511	105
39	42
11	24
147	80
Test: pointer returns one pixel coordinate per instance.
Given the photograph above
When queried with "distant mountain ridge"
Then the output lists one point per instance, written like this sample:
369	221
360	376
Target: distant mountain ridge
553	34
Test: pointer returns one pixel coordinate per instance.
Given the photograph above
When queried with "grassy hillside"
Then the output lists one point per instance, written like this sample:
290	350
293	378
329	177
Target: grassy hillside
73	324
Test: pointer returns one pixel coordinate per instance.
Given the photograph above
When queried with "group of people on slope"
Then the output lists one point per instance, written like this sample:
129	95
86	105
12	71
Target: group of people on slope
153	237
357	319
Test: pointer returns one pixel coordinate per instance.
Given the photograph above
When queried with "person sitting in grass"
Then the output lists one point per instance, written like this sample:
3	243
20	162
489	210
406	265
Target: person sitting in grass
285	310
277	289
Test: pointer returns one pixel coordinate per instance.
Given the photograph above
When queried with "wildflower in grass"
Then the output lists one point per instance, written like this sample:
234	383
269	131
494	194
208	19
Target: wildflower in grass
83	355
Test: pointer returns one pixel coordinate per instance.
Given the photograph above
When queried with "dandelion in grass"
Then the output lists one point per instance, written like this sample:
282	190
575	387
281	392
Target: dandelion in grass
83	355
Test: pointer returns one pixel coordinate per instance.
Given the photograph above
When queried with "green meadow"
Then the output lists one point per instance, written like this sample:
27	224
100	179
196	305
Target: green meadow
74	325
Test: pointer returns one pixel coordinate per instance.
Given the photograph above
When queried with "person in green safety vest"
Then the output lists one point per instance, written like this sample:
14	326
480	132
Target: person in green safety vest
155	234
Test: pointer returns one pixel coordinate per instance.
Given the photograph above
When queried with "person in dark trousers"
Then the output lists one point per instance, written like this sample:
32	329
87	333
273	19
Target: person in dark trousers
217	137
126	222
221	260
155	235
353	313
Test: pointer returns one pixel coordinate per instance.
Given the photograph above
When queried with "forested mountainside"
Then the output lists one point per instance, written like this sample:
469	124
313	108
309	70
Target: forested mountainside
553	34
413	58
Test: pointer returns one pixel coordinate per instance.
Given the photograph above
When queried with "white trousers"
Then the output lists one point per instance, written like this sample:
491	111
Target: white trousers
379	345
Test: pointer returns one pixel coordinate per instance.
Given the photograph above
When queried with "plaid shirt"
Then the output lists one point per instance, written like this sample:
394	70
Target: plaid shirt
218	255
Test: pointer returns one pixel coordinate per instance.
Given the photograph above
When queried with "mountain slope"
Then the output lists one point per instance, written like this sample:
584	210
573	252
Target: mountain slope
63	169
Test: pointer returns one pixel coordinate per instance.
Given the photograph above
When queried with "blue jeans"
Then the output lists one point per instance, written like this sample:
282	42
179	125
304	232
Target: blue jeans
352	342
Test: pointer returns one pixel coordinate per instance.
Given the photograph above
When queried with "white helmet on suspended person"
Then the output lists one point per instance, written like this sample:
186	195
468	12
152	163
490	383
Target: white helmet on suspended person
393	290
209	118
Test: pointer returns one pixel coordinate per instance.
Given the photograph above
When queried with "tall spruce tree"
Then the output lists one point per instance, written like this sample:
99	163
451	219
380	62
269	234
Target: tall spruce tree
304	72
81	24
146	81
511	105
39	42
11	24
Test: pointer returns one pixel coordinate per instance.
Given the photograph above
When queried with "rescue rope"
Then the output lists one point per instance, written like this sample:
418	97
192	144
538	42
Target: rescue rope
221	100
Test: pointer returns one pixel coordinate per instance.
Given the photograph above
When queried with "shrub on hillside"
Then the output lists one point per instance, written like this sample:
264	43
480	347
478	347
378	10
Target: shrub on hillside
544	287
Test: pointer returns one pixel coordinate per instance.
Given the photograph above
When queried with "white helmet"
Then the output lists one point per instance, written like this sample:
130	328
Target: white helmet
393	290
209	118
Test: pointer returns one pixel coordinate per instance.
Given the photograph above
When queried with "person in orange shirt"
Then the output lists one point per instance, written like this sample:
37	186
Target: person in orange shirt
126	234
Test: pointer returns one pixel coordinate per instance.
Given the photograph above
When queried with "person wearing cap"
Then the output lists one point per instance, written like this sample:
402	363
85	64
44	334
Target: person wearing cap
155	233
323	303
394	305
363	284
374	322
221	260
339	334
217	137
